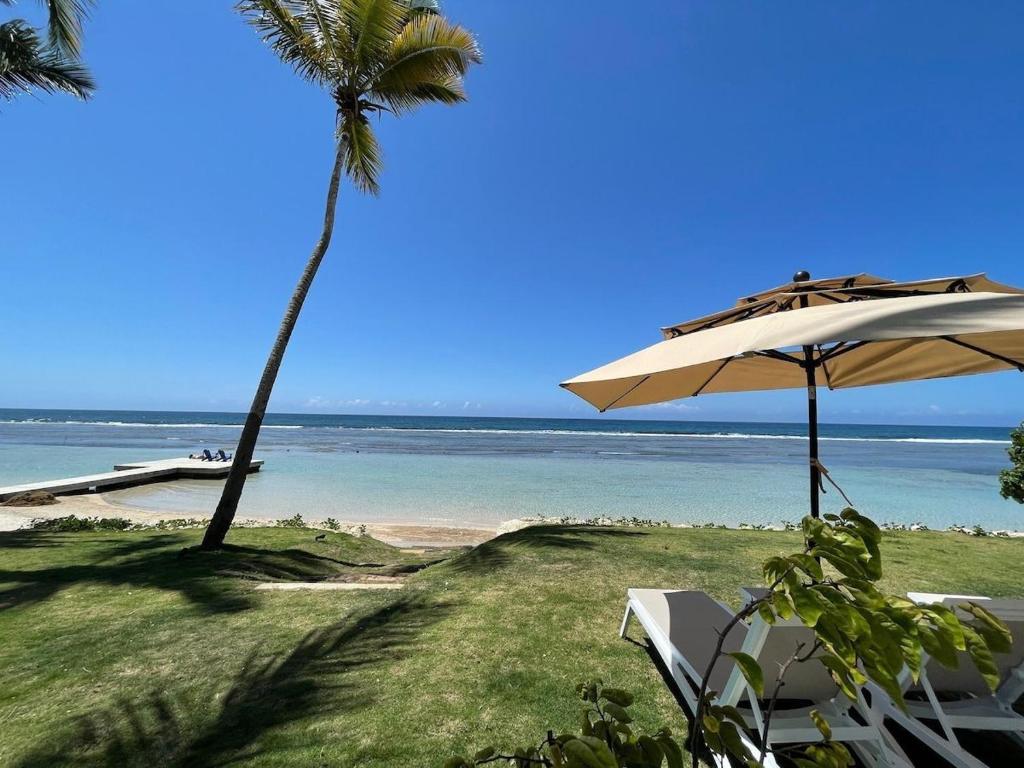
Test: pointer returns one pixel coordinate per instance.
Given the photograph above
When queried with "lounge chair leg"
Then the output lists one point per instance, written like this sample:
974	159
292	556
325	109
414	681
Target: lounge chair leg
625	620
889	750
952	753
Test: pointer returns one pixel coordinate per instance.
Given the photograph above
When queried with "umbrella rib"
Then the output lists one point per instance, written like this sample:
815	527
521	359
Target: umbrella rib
741	313
624	394
840	349
994	355
821	361
717	371
776	355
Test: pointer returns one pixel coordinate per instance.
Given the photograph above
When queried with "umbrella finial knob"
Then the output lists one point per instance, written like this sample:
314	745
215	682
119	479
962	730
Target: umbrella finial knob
802	276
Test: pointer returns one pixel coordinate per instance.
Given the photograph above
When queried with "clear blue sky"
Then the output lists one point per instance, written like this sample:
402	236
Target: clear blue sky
615	171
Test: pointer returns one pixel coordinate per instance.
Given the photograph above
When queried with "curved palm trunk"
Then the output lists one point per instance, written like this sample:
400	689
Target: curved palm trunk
232	492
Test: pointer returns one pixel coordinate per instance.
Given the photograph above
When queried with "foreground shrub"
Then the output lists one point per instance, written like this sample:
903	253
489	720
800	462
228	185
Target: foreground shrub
606	740
861	635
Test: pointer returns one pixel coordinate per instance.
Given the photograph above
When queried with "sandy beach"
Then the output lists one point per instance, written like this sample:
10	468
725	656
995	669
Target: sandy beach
97	505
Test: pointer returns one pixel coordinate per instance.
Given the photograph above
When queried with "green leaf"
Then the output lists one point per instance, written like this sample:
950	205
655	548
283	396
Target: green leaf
751	671
618	696
783	606
619	713
807	603
651	752
733	714
714	742
937	645
590	752
773	569
981	655
766	613
808	565
946	622
867	528
821	724
586	727
732	742
711	723
846	677
996	633
886	679
673	752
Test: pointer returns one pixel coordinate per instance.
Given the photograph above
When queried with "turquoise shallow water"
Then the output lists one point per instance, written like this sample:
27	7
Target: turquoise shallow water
485	471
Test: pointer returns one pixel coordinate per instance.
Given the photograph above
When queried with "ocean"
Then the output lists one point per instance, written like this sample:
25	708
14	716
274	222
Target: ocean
484	471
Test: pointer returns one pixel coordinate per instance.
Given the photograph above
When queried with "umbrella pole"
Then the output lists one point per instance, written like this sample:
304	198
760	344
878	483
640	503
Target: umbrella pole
812	406
812	429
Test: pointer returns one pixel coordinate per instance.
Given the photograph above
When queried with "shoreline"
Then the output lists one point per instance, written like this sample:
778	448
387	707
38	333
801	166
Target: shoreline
398	534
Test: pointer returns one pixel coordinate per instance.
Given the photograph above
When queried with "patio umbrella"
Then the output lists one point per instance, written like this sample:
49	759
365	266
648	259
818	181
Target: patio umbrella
840	332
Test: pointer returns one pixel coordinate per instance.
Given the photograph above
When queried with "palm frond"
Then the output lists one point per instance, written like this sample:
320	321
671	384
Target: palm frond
283	25
411	96
26	64
65	24
425	63
326	21
363	162
373	56
373	25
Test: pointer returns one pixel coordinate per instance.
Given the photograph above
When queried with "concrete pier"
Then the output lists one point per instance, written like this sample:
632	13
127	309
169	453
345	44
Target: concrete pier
127	475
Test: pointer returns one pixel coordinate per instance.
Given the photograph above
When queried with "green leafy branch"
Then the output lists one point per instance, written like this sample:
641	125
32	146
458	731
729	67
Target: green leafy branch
861	635
607	739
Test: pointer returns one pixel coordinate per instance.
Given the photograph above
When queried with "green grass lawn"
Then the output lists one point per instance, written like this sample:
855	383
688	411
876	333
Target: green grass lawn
116	651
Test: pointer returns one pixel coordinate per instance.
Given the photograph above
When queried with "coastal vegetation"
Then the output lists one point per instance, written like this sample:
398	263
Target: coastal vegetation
1011	480
29	63
117	648
372	57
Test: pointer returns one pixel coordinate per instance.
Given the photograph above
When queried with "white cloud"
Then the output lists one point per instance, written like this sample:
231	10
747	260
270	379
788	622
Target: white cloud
675	407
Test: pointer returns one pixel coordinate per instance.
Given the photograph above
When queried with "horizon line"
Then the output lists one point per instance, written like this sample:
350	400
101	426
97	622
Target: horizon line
597	417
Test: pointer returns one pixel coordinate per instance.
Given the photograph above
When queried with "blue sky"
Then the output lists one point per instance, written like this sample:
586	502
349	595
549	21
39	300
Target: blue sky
615	171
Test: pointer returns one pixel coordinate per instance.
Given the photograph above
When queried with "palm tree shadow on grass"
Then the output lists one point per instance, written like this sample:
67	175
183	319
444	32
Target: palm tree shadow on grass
156	562
309	681
500	551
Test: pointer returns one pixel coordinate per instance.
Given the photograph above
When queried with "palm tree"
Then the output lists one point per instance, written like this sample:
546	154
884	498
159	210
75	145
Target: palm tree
372	56
26	63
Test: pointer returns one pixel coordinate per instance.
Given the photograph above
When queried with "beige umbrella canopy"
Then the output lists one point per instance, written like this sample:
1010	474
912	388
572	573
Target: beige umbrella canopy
840	332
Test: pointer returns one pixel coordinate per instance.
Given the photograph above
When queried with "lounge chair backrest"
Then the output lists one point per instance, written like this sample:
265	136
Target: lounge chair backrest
688	622
965	678
772	646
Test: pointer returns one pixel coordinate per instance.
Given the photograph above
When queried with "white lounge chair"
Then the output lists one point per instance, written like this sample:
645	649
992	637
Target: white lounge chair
960	698
683	628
